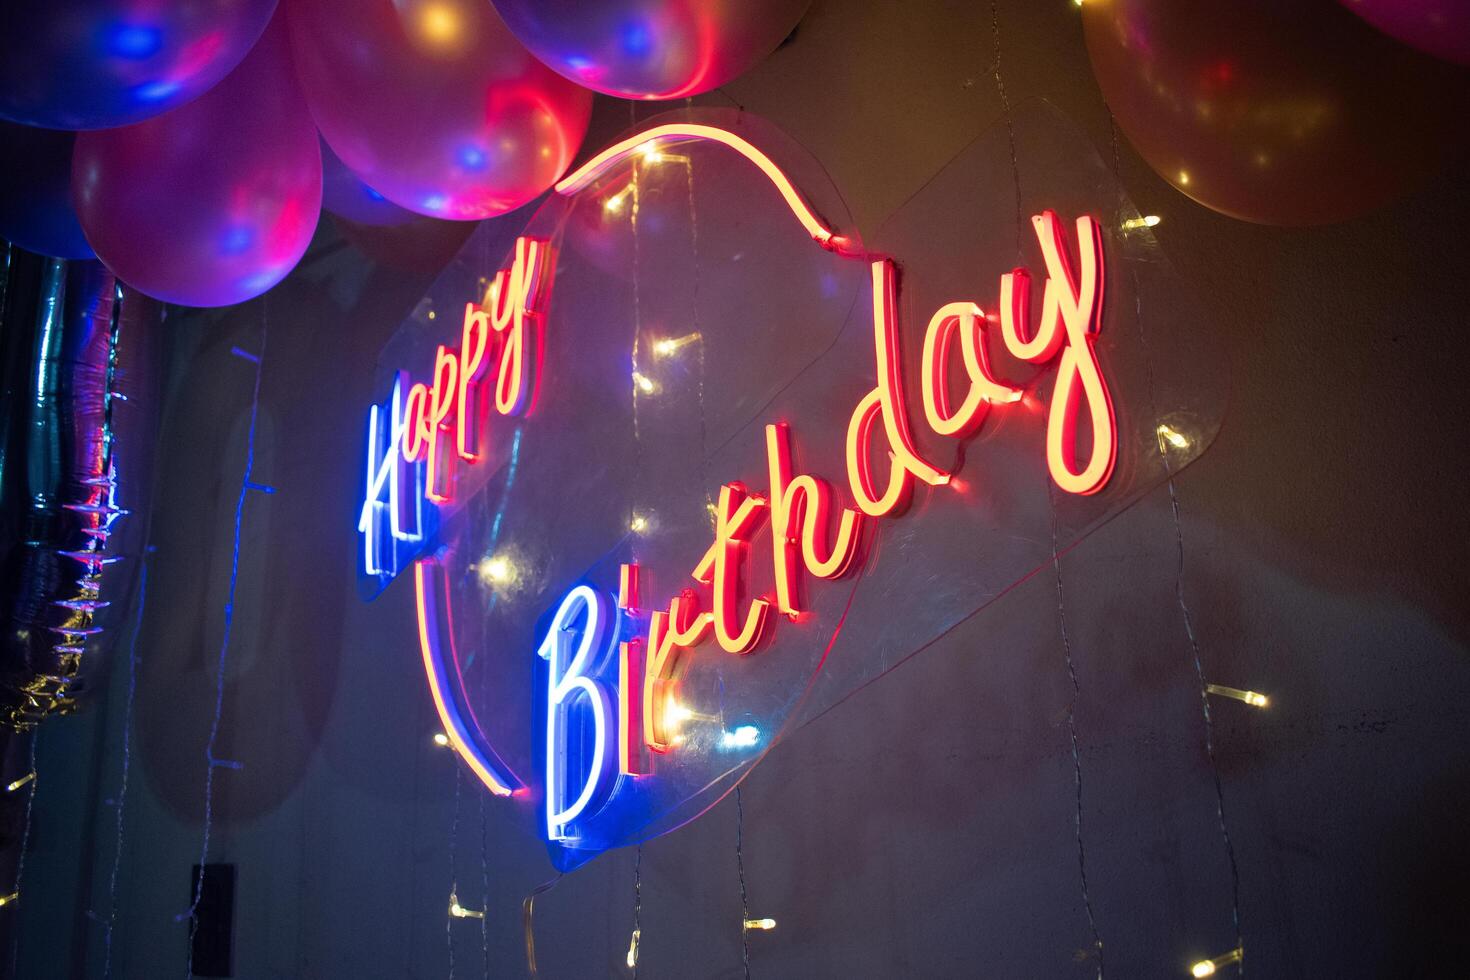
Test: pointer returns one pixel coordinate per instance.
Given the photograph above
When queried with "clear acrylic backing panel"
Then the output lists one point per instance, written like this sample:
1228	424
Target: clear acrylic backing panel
687	310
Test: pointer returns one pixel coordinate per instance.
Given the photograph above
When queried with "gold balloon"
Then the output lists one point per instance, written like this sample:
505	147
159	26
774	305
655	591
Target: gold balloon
1282	112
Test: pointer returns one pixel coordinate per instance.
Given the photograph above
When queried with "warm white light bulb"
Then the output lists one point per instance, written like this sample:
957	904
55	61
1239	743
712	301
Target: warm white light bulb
760	923
1208	968
495	570
645	384
1172	437
1252	698
633	950
440	739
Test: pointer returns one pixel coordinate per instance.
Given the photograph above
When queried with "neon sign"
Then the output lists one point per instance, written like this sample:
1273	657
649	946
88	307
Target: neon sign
612	703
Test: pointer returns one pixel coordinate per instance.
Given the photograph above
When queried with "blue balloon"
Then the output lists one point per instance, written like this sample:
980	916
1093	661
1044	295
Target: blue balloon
36	212
95	64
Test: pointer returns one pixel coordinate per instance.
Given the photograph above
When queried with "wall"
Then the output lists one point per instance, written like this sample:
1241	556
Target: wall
926	827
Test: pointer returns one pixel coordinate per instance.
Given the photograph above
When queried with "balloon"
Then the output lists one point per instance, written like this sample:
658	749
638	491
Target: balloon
651	49
214	202
35	210
91	64
74	487
1439	27
1278	113
434	104
344	195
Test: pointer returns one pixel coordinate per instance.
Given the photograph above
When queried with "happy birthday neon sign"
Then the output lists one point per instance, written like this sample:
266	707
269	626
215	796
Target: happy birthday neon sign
428	428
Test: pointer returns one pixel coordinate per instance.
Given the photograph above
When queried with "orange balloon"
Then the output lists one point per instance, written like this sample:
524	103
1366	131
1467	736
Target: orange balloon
1282	112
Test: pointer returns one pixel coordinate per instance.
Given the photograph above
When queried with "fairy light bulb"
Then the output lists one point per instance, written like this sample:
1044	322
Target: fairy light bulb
633	949
495	570
1252	698
614	204
743	737
1169	436
459	911
649	152
638	524
17	784
669	346
441	740
760	924
1208	968
645	384
1143	221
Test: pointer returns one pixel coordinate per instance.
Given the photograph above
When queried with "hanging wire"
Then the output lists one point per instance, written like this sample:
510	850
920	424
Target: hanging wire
636	949
211	763
637	315
127	760
1005	105
484	892
740	870
25	843
1056	562
709	502
1185	615
453	874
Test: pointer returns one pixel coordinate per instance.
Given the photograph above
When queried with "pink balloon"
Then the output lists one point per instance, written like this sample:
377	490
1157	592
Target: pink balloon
211	203
434	104
1439	27
651	49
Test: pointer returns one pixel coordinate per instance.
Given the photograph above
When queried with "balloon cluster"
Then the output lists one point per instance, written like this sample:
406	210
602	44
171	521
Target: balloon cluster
1292	113
191	147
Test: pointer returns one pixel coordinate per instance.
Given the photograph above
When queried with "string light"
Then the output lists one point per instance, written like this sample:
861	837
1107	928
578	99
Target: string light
10	899
12	787
1187	619
1249	697
633	950
495	570
441	740
221	673
1207	968
645	384
614	204
670	346
1169	436
1145	221
741	738
639	524
760	924
459	911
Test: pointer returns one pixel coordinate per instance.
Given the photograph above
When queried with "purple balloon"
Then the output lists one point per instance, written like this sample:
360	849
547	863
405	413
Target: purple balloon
35	210
91	64
1439	27
214	202
435	104
651	49
344	195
